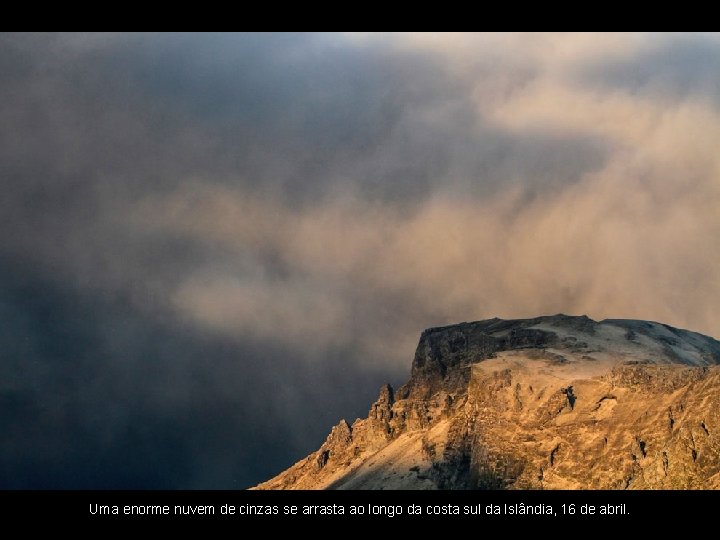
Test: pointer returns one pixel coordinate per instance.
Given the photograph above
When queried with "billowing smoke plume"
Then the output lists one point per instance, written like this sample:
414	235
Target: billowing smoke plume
213	246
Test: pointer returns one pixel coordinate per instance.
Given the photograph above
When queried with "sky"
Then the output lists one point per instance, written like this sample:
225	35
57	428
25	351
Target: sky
215	246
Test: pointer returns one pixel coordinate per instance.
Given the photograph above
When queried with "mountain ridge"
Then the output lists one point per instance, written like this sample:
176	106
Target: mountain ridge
551	402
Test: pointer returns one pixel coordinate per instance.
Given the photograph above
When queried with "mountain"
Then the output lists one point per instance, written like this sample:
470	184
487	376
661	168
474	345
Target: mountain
557	402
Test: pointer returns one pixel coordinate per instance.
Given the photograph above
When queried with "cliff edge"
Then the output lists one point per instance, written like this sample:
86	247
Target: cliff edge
556	402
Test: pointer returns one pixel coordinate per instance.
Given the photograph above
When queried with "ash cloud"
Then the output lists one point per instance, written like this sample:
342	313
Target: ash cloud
214	246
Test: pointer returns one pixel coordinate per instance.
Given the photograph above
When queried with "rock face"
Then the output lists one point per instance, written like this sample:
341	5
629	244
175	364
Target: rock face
553	402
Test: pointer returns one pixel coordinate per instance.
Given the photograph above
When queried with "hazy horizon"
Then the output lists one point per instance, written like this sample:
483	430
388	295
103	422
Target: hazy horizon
214	246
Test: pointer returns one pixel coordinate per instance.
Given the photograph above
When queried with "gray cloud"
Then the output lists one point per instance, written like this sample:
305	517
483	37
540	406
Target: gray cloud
674	68
216	245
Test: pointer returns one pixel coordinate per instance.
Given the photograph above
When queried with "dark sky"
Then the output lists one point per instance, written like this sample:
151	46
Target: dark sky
212	247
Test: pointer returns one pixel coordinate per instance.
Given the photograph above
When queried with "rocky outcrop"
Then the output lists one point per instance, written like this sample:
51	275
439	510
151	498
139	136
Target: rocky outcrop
554	402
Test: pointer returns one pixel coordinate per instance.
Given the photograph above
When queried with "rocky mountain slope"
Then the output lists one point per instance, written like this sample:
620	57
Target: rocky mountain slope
554	402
